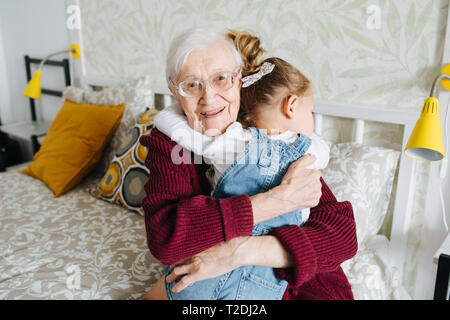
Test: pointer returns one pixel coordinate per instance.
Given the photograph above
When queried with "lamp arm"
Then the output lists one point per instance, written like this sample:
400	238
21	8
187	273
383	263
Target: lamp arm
51	55
438	78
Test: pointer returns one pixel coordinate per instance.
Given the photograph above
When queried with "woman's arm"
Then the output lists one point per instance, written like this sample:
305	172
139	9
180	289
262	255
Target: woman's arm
325	240
298	254
227	256
180	220
300	188
265	251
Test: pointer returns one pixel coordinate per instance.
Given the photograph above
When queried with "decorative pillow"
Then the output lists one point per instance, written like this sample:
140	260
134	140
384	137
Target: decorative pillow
362	175
123	183
76	94
74	144
137	96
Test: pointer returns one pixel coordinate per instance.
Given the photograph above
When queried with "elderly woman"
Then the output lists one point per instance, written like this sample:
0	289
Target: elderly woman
202	237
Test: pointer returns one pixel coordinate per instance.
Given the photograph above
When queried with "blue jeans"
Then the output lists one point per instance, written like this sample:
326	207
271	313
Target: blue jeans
259	168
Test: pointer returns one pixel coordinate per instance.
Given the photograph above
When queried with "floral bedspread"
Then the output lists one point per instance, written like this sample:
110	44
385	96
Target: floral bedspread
71	247
79	247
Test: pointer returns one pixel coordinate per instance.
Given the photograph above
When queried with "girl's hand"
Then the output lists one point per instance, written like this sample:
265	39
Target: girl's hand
213	262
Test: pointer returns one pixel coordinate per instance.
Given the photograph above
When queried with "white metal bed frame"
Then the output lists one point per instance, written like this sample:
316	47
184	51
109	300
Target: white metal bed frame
407	118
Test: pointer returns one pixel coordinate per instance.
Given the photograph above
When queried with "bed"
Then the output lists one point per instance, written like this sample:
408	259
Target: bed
80	246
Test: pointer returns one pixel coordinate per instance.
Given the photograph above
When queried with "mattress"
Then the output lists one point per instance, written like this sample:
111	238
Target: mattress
79	247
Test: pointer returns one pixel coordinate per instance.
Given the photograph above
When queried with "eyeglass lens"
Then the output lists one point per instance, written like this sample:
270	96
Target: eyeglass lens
219	82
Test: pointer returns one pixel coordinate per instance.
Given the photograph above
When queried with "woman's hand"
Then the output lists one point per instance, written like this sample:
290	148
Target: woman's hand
213	262
266	251
300	188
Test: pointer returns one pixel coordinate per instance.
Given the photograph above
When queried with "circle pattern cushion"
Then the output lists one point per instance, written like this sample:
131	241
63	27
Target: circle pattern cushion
123	182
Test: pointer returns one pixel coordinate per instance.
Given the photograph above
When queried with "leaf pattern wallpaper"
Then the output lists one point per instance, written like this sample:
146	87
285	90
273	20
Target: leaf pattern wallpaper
329	41
391	64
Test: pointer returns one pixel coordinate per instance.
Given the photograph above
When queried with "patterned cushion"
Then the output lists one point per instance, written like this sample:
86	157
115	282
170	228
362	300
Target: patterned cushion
137	96
364	176
123	183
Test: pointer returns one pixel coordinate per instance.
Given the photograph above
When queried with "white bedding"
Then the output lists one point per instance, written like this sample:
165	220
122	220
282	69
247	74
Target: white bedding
371	273
47	243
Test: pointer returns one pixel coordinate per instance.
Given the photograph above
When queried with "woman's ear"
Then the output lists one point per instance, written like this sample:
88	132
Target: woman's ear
289	106
171	90
172	87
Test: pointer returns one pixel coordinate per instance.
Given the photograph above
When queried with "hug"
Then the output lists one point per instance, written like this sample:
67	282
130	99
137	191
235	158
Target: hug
255	220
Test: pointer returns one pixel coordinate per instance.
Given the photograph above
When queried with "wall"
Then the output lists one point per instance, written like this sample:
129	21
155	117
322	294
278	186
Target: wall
329	41
5	110
434	227
36	28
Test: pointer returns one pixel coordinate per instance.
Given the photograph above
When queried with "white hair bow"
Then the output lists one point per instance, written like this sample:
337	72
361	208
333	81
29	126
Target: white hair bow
266	68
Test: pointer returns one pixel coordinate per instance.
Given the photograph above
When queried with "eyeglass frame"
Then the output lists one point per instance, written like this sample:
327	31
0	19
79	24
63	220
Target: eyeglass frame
234	75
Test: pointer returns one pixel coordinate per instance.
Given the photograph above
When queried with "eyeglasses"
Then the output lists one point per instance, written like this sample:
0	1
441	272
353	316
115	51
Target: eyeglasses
220	81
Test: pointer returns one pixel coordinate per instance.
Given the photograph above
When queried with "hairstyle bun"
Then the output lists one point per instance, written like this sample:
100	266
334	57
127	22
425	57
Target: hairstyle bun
250	49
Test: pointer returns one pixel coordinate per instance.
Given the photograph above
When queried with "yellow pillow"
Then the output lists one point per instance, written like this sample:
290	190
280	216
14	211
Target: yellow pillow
74	144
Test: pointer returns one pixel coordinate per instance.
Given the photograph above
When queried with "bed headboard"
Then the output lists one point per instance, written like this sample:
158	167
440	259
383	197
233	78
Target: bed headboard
403	201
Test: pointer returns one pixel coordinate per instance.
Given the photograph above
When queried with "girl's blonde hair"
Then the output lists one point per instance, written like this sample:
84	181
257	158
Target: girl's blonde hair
284	80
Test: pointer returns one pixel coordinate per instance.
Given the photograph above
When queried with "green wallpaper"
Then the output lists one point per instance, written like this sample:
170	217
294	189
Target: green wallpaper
328	40
332	41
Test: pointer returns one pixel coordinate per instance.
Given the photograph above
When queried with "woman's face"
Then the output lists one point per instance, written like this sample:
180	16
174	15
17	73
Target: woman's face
212	112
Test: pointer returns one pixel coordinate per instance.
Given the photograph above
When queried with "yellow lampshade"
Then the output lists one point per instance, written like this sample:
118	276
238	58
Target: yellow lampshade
426	142
444	82
33	89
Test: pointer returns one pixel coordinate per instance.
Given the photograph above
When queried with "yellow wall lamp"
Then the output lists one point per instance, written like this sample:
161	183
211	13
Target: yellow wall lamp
33	89
426	142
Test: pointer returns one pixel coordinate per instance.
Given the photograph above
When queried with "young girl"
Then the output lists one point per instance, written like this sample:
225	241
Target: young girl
275	128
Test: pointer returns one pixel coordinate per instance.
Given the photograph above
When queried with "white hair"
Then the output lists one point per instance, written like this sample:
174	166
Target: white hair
193	39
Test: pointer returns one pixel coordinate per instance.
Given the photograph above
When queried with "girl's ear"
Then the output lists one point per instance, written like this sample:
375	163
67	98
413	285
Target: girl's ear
289	106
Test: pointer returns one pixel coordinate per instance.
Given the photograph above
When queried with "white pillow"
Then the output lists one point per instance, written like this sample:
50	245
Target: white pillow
137	96
362	175
371	272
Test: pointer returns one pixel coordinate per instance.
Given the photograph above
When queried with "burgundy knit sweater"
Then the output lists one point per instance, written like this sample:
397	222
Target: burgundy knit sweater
181	220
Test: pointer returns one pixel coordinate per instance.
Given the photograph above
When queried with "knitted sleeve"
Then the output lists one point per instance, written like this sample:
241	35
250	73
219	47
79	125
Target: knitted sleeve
180	221
324	241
